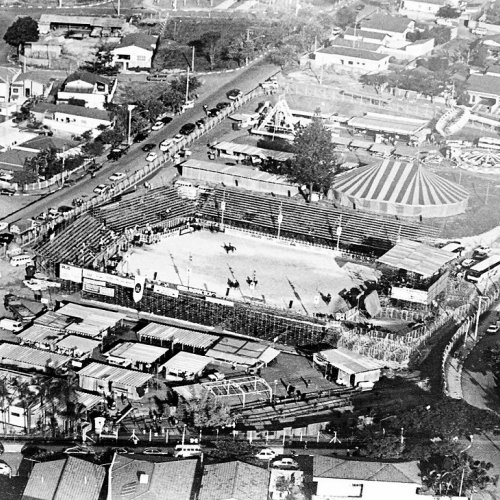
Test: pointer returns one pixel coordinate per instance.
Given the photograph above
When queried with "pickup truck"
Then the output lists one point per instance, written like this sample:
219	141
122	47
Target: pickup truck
18	309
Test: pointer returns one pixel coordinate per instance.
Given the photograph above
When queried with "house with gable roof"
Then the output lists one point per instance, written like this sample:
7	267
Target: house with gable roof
337	479
396	27
7	76
90	88
70	477
135	51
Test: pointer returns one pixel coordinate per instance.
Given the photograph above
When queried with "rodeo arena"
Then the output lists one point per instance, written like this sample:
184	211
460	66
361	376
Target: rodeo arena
231	283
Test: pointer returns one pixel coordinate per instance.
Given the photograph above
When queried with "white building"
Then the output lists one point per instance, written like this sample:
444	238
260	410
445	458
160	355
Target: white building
136	355
135	51
30	84
69	119
7	76
423	9
93	90
394	26
484	90
351	59
338	479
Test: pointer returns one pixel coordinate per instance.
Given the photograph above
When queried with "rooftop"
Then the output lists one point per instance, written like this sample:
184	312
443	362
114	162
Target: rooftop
178	335
357	44
8	74
133	478
62	479
242	352
101	22
337	468
355	53
487	84
116	374
364	34
82	344
234	480
44	77
87	77
386	23
349	361
417	257
186	362
142	40
70	109
14	159
22	354
136	352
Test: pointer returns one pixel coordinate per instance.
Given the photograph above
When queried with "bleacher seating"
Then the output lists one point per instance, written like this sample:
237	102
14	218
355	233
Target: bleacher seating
316	222
79	242
153	207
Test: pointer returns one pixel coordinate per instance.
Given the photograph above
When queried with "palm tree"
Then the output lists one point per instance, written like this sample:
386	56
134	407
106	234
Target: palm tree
42	392
27	397
5	398
61	392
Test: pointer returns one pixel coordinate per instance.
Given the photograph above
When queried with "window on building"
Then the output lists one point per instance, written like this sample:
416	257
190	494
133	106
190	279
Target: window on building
14	414
141	58
350	62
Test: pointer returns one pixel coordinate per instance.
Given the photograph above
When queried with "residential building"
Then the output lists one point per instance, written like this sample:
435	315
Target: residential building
63	479
484	90
338	479
29	85
365	36
148	480
43	53
351	59
104	379
92	26
423	10
92	90
395	26
234	481
70	119
7	76
135	51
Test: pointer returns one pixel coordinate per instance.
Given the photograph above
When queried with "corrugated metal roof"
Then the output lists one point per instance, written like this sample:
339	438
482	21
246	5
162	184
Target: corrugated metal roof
242	352
88	400
388	123
348	361
42	334
115	374
186	362
246	149
178	335
28	355
417	257
104	22
81	344
52	320
137	352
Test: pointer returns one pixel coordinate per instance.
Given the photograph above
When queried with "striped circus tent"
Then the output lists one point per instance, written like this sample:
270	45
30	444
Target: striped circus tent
399	188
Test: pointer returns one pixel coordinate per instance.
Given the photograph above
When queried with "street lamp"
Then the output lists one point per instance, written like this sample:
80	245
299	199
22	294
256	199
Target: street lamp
130	107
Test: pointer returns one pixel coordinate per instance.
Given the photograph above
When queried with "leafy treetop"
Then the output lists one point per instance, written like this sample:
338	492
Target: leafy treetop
22	30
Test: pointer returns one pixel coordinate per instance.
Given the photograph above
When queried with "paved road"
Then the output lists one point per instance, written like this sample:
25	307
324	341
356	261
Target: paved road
246	80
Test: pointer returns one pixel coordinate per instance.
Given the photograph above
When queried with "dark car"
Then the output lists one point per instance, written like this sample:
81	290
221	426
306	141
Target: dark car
141	136
7	191
201	122
115	154
64	209
234	94
223	105
166	119
213	112
6	238
187	129
148	147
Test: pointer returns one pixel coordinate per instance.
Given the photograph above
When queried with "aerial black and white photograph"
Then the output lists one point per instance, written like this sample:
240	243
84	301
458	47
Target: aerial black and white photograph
249	249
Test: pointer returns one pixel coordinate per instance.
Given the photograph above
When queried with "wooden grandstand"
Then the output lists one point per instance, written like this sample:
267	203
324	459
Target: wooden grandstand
84	242
316	223
157	207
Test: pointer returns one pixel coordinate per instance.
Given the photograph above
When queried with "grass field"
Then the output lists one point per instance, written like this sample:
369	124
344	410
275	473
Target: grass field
284	273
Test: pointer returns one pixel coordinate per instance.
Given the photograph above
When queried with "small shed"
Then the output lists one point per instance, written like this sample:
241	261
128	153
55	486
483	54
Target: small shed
135	355
348	368
186	366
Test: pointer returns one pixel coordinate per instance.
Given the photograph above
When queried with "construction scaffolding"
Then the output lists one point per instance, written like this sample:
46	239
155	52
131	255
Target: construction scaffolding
278	122
240	387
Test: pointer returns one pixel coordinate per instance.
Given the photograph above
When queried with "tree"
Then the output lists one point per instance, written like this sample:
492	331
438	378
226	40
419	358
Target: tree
286	486
315	162
454	474
284	56
102	61
345	16
22	30
377	81
93	148
5	398
382	447
448	12
179	84
62	394
205	412
211	43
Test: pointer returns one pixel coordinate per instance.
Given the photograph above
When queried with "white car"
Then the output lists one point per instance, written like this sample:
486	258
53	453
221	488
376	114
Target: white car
266	454
492	329
216	375
166	144
101	188
151	156
468	263
79	450
158	125
178	138
117	176
285	463
5	469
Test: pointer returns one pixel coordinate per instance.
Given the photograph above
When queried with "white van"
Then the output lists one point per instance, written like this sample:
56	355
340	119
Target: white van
187	450
21	260
11	324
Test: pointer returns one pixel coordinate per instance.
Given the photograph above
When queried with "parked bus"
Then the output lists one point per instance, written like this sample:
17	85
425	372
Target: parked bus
484	269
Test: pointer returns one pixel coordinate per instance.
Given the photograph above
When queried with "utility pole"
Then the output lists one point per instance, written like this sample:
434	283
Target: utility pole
187	85
192	60
118	9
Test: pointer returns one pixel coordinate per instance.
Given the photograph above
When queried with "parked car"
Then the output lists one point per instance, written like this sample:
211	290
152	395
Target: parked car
468	263
151	156
266	454
166	119
122	451
158	125
155	451
481	252
117	176
187	105
6	238
223	105
493	329
178	138
11	325
201	122
187	129
166	144
234	94
216	375
270	84
115	154
7	191
141	136
5	469
285	463
148	147
102	188
63	209
213	112
79	450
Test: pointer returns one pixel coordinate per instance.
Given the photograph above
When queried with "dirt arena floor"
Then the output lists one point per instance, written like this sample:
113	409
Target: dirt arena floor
283	273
